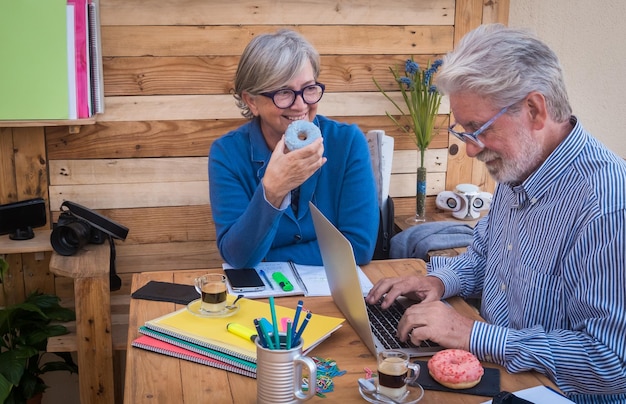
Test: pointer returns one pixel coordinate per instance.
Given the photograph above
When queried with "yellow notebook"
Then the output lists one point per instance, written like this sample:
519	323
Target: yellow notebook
211	332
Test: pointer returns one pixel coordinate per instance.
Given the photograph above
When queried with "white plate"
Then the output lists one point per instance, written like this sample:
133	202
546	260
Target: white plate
194	307
416	393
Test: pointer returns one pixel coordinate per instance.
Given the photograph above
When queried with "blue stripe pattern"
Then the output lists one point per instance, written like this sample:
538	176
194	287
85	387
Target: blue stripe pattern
549	259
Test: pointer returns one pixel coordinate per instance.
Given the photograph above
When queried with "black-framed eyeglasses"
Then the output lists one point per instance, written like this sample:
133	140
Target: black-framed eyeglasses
473	136
286	97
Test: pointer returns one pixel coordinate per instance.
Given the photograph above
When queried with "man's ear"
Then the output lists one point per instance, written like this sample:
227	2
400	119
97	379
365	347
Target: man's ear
250	101
538	109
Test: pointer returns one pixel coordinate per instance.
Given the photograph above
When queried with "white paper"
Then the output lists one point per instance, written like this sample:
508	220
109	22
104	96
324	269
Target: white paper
540	394
313	280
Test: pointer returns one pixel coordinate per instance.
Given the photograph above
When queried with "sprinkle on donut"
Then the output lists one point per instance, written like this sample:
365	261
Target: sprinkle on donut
455	369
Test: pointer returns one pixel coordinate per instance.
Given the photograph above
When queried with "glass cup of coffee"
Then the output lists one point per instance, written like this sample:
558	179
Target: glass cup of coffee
212	288
395	372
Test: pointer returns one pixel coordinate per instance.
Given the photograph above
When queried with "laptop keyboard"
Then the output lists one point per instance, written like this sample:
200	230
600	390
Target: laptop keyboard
385	323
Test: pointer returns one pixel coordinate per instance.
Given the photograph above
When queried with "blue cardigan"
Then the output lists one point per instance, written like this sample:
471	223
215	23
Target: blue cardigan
250	230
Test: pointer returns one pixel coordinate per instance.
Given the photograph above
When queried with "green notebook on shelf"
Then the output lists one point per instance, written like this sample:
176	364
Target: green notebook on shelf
34	67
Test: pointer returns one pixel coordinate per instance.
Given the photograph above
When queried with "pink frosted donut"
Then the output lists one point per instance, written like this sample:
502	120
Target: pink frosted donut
301	133
455	369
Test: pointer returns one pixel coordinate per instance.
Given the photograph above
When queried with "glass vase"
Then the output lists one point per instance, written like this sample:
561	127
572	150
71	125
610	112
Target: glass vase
420	198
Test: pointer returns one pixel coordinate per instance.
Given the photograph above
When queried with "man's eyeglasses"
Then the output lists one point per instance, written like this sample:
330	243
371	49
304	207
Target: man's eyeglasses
473	136
286	97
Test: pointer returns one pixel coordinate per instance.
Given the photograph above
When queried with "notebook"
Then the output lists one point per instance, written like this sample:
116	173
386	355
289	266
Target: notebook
341	271
195	353
210	332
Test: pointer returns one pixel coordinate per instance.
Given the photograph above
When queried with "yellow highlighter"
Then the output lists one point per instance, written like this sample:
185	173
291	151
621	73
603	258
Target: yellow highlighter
241	331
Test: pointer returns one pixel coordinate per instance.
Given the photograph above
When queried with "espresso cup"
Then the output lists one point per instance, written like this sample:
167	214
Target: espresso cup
395	372
212	288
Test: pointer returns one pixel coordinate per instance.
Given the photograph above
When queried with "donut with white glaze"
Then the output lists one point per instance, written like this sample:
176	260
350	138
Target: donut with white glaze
301	133
455	369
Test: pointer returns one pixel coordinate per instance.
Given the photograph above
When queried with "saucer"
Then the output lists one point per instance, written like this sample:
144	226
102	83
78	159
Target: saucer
415	394
194	308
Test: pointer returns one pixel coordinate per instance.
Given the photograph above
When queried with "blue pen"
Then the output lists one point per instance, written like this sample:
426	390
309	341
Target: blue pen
274	322
260	333
296	337
264	275
296	317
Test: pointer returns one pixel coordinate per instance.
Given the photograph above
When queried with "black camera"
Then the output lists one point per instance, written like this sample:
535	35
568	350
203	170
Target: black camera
78	226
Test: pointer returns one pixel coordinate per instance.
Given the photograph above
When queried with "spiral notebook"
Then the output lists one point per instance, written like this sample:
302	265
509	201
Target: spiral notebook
196	354
210	332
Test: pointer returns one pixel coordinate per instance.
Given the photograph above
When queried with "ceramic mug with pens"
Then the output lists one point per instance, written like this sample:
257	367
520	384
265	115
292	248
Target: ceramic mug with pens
395	372
212	288
279	373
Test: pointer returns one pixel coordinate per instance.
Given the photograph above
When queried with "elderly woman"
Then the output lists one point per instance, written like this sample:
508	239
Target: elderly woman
260	191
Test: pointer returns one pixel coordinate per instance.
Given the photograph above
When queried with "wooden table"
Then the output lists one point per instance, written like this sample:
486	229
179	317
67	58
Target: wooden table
155	378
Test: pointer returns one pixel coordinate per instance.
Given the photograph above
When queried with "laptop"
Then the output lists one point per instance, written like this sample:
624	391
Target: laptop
376	327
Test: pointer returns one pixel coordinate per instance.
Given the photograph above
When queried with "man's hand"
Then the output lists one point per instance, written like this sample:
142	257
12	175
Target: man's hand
438	322
419	288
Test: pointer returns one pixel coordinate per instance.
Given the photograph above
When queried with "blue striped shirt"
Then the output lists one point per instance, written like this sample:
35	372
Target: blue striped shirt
549	261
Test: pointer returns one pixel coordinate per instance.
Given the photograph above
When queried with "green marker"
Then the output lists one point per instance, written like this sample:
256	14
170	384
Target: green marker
282	281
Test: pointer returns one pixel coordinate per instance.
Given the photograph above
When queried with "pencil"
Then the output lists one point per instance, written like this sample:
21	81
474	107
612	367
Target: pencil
296	337
296	317
274	322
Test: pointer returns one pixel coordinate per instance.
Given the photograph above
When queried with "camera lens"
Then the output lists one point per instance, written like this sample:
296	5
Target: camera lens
68	239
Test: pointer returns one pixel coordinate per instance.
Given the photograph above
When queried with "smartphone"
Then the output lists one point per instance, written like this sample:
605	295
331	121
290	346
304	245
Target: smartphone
244	280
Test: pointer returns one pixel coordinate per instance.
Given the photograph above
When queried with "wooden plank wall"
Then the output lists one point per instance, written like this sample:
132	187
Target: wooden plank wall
168	70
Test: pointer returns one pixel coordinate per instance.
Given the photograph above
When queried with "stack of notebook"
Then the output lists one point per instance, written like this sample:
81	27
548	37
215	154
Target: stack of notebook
205	340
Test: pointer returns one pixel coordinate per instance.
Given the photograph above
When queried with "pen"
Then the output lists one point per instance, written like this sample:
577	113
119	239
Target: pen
296	317
274	322
282	281
260	333
298	278
241	331
289	335
296	337
264	275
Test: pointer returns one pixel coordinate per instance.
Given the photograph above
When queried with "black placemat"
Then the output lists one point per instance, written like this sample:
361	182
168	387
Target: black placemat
489	385
166	292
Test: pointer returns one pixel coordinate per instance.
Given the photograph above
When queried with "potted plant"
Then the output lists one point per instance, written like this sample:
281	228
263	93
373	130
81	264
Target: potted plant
421	105
25	328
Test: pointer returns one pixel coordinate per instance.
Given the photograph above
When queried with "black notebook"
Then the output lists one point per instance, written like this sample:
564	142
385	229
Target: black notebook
167	292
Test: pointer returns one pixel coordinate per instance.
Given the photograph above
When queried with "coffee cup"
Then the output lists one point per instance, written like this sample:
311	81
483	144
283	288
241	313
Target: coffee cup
395	372
212	289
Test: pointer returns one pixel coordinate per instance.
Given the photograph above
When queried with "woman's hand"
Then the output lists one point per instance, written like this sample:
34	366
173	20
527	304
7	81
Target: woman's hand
288	170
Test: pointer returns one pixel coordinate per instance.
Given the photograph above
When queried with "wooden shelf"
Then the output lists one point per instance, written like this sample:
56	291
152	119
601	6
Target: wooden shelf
48	122
39	243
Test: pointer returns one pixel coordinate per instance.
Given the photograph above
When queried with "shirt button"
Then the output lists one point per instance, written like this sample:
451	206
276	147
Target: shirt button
297	237
502	287
488	358
509	247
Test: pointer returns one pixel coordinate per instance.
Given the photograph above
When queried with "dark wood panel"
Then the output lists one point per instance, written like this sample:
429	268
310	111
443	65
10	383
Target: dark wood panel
221	12
151	75
162	225
231	40
185	138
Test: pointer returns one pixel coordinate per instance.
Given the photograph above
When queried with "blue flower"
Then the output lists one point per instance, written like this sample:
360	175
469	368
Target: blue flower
407	81
421	102
411	67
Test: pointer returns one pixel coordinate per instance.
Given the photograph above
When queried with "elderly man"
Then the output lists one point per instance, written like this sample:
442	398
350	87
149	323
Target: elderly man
549	258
